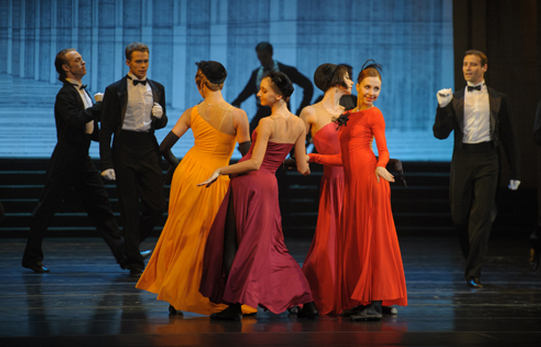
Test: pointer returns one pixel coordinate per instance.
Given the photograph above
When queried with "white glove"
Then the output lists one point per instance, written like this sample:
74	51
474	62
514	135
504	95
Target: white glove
444	97
157	110
109	174
98	97
513	184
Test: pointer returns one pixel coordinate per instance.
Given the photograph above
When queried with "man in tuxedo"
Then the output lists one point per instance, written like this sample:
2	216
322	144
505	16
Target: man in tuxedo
133	108
482	120
264	52
70	168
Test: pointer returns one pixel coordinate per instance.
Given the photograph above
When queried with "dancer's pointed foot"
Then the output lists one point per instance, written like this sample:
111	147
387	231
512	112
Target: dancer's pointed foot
308	311
294	310
173	311
233	312
371	312
351	311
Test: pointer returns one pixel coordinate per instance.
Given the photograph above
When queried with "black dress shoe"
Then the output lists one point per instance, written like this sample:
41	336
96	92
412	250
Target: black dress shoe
136	272
351	311
233	313
37	267
146	254
474	283
371	312
308	311
534	258
294	310
389	310
173	311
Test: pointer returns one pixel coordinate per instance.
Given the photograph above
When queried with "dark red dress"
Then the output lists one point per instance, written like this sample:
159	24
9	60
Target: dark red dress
369	261
263	272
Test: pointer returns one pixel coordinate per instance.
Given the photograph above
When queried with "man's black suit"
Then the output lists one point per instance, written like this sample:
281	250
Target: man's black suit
135	157
252	88
71	169
474	173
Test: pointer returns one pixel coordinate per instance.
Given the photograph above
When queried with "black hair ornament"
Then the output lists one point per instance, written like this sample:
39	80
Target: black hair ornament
374	65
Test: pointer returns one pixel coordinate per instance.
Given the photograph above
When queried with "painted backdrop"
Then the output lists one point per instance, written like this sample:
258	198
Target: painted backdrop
413	39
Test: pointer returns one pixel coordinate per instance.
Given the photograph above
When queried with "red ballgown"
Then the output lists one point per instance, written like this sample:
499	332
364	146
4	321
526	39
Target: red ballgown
369	261
320	264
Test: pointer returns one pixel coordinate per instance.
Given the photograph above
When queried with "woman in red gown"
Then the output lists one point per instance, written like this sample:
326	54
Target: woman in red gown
370	269
320	264
259	269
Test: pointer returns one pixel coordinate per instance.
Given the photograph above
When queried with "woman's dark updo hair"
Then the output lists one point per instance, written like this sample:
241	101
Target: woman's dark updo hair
210	73
281	84
329	75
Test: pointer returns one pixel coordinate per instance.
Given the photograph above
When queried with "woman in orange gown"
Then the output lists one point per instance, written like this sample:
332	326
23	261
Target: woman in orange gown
320	264
174	270
370	269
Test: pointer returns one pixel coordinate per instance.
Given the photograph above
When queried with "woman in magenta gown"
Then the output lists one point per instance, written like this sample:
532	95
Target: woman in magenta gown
320	263
370	269
259	269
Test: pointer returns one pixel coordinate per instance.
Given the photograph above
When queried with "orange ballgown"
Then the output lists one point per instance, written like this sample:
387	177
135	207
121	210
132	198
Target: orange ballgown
369	261
174	270
320	264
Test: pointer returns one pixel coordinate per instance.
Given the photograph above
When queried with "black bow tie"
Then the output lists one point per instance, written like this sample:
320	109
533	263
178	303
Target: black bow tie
81	87
136	82
470	88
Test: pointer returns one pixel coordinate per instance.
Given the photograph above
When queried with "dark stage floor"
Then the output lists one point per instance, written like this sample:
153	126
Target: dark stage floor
87	300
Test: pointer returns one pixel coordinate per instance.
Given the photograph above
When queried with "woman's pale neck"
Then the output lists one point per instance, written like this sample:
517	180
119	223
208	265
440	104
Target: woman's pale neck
280	107
362	108
331	100
213	97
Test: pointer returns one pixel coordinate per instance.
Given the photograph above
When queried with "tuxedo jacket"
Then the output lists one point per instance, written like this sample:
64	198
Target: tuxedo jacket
115	102
70	161
71	118
502	128
294	75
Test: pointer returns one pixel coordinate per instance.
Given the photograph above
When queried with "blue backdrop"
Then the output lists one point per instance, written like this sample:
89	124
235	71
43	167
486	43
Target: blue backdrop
413	39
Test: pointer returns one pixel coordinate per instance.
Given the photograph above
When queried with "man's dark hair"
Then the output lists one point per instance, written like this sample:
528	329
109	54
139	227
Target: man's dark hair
61	60
264	46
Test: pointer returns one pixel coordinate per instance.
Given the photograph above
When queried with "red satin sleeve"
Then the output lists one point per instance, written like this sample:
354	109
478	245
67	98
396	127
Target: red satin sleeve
326	159
378	128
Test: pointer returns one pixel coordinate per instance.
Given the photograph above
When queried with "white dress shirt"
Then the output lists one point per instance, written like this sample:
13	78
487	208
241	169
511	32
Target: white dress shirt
476	115
139	108
87	101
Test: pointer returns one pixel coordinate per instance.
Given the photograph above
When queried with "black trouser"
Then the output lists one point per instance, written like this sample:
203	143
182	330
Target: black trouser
474	180
138	177
71	169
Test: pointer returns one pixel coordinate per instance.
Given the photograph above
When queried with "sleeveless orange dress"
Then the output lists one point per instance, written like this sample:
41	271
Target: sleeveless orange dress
174	270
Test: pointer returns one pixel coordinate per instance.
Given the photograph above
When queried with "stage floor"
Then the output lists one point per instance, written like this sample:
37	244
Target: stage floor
87	300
